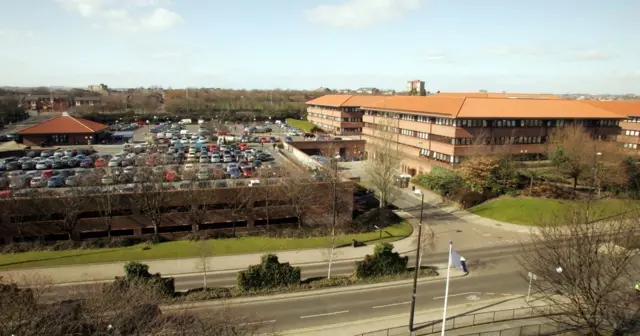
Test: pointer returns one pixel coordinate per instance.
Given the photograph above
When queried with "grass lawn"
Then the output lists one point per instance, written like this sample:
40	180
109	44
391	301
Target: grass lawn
301	124
186	249
533	211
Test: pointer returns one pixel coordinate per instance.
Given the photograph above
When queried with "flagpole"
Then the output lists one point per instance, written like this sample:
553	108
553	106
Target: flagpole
446	291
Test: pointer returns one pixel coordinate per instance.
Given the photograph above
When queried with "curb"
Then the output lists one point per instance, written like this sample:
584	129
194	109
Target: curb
307	293
391	317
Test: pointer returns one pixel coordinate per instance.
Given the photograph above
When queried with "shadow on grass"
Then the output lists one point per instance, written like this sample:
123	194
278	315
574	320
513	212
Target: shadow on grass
362	243
55	258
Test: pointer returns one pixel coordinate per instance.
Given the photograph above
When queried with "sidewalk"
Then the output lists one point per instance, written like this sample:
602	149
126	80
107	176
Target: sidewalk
429	320
227	263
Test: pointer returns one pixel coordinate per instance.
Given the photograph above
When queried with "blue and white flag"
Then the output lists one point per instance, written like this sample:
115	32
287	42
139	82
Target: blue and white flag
456	259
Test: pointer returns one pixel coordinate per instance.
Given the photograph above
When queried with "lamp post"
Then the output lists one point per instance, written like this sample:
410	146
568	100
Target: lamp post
335	213
596	182
417	264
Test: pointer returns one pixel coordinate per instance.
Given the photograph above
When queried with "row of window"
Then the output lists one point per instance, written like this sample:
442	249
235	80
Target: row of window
633	119
348	130
630	146
493	123
439	156
632	133
352	119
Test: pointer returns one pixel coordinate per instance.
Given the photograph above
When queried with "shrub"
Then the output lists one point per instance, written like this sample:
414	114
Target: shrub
440	180
383	262
269	274
467	198
136	270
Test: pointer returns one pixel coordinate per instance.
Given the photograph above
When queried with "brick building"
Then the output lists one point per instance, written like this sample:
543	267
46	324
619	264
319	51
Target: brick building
63	130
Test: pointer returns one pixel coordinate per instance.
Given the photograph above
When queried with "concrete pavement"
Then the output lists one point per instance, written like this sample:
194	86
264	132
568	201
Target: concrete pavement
482	259
350	311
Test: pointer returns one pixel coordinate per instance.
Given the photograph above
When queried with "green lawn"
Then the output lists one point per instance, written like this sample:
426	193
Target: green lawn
186	249
301	124
533	211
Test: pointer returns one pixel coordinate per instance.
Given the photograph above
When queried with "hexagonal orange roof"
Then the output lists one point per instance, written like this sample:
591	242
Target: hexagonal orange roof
64	125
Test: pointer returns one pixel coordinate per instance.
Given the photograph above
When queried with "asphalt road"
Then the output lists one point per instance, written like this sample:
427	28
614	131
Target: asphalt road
483	259
313	311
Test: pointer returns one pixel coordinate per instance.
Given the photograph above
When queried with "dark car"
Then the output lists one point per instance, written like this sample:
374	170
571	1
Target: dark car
13	165
58	164
86	164
28	165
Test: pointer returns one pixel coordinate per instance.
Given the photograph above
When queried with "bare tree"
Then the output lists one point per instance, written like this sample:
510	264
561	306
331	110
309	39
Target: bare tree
585	271
204	253
295	188
70	206
574	151
151	199
196	200
383	161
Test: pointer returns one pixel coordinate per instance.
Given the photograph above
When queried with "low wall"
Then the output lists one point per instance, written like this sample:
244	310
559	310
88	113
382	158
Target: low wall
300	156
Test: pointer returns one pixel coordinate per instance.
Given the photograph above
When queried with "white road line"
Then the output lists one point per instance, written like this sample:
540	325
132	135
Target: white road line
259	322
505	294
452	295
490	293
486	234
392	304
327	314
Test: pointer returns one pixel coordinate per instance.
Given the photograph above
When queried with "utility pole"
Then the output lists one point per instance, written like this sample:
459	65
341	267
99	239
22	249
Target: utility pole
335	215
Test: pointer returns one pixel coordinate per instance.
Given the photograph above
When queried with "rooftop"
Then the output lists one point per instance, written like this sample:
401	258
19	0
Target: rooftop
345	100
64	124
473	107
626	108
497	95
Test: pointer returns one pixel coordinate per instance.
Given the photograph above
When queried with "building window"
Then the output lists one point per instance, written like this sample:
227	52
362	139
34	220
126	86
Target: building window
407	132
425	152
422	135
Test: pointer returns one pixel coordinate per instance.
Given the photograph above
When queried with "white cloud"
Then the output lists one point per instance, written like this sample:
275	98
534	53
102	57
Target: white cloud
361	13
592	55
133	16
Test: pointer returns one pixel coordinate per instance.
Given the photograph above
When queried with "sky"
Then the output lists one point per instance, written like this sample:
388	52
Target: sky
567	46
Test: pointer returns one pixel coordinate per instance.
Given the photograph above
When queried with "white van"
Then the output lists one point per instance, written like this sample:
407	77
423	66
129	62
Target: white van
186	121
200	121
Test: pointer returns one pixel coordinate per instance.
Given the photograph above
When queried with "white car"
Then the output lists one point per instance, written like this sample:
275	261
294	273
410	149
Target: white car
227	159
38	182
114	163
107	180
189	167
215	158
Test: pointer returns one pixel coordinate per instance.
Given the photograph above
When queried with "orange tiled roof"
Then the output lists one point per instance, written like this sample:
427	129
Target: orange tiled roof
532	108
464	107
64	125
497	95
447	106
345	100
626	108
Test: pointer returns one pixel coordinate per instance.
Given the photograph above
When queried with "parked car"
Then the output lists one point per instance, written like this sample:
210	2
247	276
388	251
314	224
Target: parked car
107	179
37	182
234	173
204	174
55	182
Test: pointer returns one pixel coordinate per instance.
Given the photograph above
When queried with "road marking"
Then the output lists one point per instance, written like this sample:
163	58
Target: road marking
473	297
505	294
327	314
490	293
452	295
486	234
259	322
392	304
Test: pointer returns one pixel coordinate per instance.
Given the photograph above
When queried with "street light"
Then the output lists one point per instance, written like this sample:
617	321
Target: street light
596	183
335	212
417	264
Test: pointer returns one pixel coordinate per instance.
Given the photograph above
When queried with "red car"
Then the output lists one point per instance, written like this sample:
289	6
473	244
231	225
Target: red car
263	140
100	162
170	176
213	148
243	146
247	172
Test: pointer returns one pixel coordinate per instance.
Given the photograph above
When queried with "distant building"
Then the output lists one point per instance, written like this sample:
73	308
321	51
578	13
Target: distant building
100	88
417	87
368	90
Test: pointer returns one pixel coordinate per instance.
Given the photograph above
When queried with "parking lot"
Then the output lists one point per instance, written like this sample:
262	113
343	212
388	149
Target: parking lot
177	155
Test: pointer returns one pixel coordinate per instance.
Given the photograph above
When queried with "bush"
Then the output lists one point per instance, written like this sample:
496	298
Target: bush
467	198
136	270
383	262
269	274
440	180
